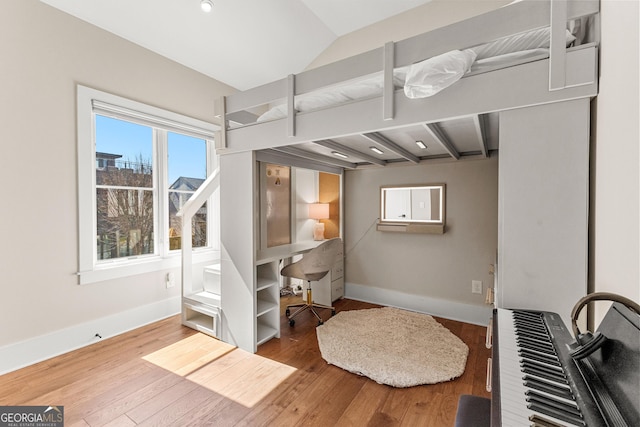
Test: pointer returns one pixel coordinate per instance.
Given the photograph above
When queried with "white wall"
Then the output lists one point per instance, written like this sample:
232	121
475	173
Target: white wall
45	54
435	14
615	193
433	266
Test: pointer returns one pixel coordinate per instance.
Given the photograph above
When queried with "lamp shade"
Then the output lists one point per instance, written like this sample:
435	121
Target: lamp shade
319	210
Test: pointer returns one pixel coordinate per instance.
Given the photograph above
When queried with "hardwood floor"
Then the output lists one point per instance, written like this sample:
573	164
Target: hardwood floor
166	374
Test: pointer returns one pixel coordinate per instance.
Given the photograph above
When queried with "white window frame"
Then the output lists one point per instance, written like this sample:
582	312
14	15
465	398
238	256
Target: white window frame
89	269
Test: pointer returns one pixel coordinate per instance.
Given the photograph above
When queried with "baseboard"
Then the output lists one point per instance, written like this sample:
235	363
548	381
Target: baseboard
468	313
27	352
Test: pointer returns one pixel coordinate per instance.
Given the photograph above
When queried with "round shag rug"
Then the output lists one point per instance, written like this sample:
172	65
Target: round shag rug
391	346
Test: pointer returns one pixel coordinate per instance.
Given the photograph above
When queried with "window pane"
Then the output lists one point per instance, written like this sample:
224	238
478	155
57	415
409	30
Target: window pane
198	222
187	161
187	170
124	153
125	223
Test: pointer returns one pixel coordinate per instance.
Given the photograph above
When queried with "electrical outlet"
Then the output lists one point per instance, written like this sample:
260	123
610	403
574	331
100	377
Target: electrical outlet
476	286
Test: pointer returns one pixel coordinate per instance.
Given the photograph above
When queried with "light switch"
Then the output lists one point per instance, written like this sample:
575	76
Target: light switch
476	286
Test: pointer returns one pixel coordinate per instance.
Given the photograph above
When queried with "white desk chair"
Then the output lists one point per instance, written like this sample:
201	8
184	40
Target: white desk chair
313	266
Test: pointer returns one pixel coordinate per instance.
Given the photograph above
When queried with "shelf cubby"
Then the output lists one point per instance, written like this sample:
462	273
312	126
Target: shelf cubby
267	302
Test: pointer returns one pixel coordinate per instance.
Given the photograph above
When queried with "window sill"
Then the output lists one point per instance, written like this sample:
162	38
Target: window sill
118	270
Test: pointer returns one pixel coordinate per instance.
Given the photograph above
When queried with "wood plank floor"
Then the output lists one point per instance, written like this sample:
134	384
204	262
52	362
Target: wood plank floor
165	374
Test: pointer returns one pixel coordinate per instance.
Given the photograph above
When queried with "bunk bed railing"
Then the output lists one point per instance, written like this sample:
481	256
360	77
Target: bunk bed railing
186	213
557	48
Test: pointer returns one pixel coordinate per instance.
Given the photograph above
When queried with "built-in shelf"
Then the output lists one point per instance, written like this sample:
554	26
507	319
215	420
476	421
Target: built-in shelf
203	318
265	333
265	307
201	301
264	283
267	316
200	319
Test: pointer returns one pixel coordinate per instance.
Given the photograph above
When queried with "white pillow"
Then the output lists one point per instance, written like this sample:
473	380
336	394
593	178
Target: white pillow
428	77
319	99
274	113
530	40
307	102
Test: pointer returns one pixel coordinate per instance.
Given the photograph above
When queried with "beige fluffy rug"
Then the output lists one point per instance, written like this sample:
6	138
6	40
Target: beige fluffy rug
392	346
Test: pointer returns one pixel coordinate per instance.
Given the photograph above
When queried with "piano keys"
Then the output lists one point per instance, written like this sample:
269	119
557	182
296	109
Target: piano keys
535	378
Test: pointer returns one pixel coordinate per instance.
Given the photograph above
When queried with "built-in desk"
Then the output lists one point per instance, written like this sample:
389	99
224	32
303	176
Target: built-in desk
250	275
277	253
268	287
268	279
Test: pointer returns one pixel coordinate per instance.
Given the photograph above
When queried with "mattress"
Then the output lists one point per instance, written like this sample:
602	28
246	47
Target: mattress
429	77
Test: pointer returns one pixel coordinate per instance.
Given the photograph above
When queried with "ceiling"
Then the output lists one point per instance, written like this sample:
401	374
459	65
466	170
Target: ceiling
243	43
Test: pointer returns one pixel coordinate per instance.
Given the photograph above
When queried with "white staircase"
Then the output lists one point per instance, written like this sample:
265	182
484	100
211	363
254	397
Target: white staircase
201	308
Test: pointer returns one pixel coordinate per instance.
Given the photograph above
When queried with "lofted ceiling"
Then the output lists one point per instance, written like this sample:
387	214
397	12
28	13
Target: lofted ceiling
243	43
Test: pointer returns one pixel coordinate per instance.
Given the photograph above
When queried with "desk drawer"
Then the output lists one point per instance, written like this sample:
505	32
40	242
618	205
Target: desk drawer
337	289
338	270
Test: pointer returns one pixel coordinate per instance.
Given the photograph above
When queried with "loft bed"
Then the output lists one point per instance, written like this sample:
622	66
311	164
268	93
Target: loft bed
524	54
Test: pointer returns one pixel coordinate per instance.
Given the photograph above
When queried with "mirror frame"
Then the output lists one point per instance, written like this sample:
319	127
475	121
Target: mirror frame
411	226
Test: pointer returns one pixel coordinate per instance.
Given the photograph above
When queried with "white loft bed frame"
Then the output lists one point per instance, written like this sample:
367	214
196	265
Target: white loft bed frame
568	73
567	76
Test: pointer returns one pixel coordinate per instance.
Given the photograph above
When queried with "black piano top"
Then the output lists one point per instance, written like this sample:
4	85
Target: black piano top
617	362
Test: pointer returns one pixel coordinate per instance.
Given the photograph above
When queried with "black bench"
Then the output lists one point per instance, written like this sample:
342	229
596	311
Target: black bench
473	411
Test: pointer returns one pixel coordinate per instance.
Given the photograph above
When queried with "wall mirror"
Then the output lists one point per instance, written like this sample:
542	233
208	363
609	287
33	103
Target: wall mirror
412	208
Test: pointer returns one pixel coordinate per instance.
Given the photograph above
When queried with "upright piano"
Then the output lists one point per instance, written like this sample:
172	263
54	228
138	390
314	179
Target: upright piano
534	381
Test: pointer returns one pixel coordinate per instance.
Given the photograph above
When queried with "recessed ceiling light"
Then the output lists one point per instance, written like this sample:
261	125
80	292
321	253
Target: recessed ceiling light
338	154
206	5
376	150
421	144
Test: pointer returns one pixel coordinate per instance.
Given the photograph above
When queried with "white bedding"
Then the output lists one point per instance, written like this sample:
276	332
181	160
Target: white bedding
428	77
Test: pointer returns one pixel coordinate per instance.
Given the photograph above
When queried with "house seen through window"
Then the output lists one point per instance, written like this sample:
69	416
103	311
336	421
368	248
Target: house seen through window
187	170
144	175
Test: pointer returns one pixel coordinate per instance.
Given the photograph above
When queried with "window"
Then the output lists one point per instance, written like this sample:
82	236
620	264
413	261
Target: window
138	165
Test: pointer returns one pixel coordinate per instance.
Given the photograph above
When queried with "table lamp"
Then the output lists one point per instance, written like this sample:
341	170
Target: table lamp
318	211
